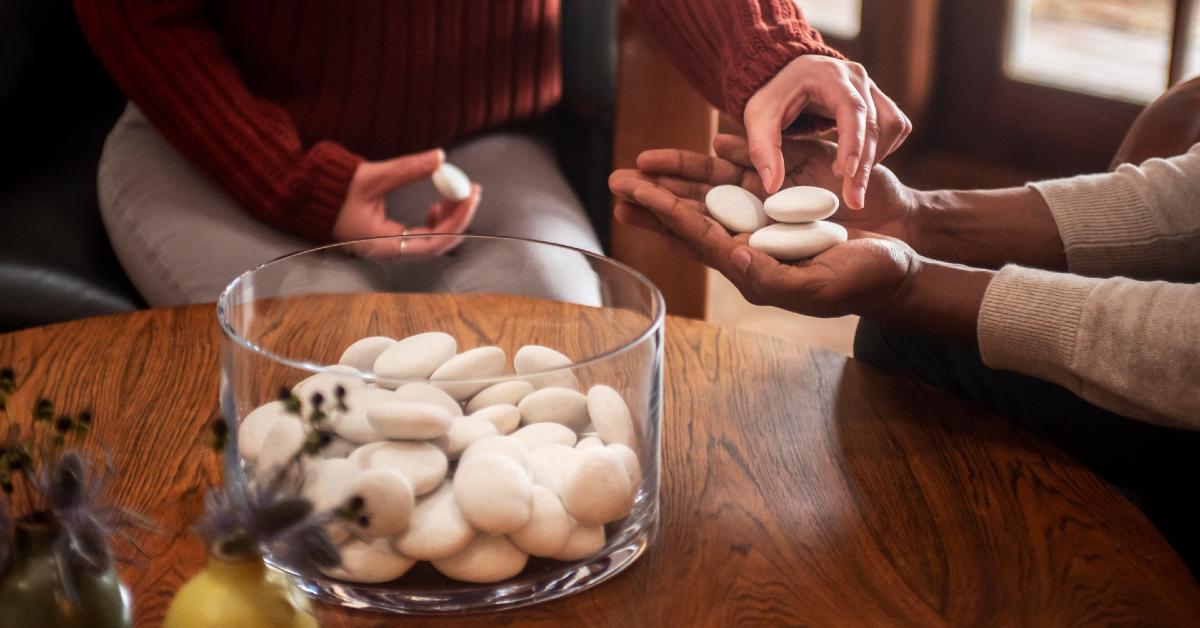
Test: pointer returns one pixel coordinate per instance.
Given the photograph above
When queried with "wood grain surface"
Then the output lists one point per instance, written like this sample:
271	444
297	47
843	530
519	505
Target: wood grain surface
799	488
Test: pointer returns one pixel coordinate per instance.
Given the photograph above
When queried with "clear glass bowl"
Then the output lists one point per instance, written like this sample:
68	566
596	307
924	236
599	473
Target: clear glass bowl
292	317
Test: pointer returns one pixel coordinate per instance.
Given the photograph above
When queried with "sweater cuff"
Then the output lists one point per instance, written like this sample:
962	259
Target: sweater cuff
1105	226
329	180
1029	322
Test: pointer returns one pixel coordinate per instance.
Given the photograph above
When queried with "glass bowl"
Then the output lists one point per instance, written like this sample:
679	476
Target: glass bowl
293	317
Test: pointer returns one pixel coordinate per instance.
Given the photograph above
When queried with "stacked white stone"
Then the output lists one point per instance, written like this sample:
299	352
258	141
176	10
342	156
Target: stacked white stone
532	467
799	231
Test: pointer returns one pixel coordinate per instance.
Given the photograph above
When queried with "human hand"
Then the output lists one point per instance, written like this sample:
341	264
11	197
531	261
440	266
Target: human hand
870	126
363	214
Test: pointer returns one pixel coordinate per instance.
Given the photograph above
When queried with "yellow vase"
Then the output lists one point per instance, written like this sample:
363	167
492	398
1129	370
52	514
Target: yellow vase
236	594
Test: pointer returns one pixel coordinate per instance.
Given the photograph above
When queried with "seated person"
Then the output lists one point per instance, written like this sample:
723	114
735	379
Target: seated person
255	130
1066	305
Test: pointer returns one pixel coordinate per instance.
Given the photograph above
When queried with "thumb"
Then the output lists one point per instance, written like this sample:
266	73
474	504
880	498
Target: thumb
398	171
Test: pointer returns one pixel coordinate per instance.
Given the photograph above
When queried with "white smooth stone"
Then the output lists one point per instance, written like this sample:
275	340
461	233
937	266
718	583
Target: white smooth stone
281	443
564	406
585	541
590	441
549	526
337	448
477	363
253	429
610	415
370	562
629	459
736	209
415	357
506	446
547	464
494	493
504	417
451	182
423	464
325	484
542	434
485	559
421	392
437	528
595	487
535	359
802	203
387	501
505	393
352	424
792	242
464	431
326	383
363	353
409	420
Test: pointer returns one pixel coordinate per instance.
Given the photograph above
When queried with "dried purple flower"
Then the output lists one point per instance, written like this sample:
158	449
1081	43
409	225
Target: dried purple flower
43	412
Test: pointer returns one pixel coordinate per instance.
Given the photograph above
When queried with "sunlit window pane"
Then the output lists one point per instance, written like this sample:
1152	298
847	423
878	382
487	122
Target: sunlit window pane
835	18
1191	60
1117	48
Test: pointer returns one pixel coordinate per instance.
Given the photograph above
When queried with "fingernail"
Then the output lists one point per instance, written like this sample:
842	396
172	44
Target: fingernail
741	260
766	175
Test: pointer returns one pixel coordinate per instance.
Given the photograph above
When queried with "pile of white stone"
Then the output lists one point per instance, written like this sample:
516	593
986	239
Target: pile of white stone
474	478
800	230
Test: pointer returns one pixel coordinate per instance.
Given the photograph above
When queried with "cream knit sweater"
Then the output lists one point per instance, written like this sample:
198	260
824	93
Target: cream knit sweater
1131	346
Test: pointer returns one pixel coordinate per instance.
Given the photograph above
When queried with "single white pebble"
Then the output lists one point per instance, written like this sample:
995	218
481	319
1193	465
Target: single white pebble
802	203
547	464
585	541
464	431
736	209
549	526
437	528
541	434
326	383
370	562
415	357
505	417
253	429
385	501
338	447
451	182
423	464
485	559
629	460
409	420
595	487
505	393
555	405
281	443
506	446
420	392
590	441
610	415
533	361
362	354
786	242
494	493
352	424
478	363
325	484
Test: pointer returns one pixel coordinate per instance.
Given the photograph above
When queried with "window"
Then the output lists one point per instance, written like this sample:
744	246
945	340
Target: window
841	19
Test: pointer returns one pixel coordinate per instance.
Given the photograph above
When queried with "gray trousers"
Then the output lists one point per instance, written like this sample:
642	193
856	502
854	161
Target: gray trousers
182	239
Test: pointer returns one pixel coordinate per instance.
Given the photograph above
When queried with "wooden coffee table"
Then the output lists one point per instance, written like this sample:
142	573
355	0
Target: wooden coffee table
799	487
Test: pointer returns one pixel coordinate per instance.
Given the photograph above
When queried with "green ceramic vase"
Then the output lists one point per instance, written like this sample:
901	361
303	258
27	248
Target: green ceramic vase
239	593
31	593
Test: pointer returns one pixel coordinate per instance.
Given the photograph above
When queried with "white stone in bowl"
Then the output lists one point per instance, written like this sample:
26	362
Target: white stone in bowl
437	528
280	445
735	208
610	416
506	446
326	382
477	363
421	392
494	493
787	242
596	487
589	441
541	434
253	429
547	464
585	541
352	424
564	406
505	417
423	464
549	526
451	182
387	501
363	353
409	420
370	562
464	431
415	357
802	203
326	482
629	459
510	393
531	360
485	559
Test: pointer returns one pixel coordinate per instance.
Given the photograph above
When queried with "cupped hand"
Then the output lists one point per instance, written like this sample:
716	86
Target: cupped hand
870	125
364	212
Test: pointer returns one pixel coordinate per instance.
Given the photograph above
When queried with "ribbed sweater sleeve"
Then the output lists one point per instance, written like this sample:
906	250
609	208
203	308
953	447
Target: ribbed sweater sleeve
728	49
1132	347
170	62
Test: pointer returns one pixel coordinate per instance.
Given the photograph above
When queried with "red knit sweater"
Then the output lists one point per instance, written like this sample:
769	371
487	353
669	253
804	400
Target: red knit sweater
281	100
